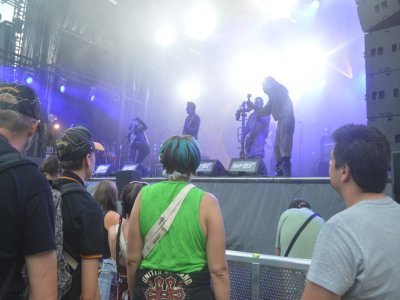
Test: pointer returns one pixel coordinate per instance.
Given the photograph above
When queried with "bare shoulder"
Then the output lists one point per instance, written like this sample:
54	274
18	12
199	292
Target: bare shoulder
210	198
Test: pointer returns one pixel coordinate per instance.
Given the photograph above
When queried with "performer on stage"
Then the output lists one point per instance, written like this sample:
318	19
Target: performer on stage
256	132
139	144
281	107
192	121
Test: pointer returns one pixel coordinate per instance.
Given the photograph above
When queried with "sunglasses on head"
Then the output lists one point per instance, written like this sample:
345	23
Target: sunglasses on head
139	182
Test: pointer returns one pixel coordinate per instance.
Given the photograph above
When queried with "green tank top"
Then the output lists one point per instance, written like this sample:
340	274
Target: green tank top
183	247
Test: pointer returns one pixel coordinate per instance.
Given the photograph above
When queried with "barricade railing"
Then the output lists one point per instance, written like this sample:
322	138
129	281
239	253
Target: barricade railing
267	277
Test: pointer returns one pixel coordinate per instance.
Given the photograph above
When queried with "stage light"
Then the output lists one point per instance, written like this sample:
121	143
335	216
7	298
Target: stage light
249	68
277	9
189	90
200	21
315	4
62	85
28	77
92	93
29	80
56	126
165	35
52	118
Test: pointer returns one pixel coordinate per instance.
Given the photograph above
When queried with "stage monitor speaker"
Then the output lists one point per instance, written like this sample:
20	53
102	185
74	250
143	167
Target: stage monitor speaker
378	14
210	168
102	171
383	94
396	175
122	178
247	167
138	167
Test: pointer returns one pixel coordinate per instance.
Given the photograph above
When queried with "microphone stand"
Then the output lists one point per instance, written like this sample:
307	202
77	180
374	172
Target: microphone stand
243	110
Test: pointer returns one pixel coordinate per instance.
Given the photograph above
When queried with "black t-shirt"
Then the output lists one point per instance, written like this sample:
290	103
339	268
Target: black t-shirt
82	221
26	218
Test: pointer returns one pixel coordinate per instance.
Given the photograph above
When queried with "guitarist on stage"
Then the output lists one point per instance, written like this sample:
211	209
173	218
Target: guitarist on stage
256	132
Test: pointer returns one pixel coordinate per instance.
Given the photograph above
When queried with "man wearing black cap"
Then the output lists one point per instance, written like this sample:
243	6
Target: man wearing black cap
297	231
26	203
82	215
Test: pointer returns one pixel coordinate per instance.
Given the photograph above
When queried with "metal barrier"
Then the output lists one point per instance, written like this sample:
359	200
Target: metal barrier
256	276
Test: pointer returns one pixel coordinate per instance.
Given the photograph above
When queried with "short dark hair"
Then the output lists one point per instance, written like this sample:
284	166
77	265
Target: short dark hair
299	203
367	153
180	153
72	165
191	104
51	166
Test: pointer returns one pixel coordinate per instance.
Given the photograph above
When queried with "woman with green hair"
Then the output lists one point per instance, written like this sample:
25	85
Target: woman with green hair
182	263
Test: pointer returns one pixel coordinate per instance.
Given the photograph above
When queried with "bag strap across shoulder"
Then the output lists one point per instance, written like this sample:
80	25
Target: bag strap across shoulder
299	232
12	160
162	225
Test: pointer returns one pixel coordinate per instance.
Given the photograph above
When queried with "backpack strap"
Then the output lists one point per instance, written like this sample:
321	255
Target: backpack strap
12	160
163	224
65	189
69	188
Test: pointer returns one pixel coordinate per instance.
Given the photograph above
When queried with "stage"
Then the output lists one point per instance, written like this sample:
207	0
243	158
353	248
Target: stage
251	206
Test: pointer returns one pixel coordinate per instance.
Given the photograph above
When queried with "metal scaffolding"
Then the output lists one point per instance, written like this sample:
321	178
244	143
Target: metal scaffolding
12	53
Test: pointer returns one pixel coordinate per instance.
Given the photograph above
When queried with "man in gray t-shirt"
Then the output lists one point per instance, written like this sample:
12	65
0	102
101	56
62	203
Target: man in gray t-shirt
356	255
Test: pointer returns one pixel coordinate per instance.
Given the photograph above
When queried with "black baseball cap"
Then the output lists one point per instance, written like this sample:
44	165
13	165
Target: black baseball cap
75	143
28	102
299	203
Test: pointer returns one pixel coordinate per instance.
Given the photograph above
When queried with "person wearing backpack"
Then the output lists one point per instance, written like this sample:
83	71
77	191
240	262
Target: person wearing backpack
26	205
81	214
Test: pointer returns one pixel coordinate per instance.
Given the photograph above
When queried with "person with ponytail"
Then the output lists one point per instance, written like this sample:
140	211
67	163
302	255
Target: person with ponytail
117	236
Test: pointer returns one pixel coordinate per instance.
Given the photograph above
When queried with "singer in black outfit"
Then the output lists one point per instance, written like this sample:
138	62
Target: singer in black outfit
192	121
139	144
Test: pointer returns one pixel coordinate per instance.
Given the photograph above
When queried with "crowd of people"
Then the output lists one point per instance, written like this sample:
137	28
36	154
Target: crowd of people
168	241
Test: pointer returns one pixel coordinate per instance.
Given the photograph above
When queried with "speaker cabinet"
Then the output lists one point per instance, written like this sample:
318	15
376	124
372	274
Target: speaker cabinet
247	167
378	14
382	50
123	177
139	167
102	171
383	94
210	168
